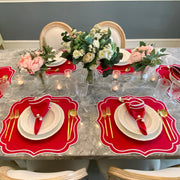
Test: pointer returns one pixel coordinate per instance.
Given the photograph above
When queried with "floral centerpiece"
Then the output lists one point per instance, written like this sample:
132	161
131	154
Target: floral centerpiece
92	49
144	56
35	62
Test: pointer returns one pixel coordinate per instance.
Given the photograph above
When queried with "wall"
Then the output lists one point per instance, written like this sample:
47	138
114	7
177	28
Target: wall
139	19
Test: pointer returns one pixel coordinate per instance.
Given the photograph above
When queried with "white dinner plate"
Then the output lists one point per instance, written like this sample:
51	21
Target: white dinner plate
52	122
59	60
124	60
130	128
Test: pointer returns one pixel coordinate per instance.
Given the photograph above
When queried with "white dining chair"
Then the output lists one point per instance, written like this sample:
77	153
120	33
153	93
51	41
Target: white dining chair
51	34
140	164
8	173
172	173
117	32
1	42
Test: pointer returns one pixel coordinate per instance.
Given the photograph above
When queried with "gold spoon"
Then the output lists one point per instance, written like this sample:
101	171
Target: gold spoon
72	113
5	77
163	113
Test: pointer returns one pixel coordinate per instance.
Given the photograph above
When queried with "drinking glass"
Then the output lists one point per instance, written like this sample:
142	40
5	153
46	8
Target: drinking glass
174	92
161	88
81	91
3	85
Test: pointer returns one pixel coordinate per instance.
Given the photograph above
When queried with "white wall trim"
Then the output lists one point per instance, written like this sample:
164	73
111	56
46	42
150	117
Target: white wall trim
26	1
130	43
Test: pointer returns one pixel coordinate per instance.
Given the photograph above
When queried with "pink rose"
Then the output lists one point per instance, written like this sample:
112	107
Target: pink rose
36	64
25	61
135	57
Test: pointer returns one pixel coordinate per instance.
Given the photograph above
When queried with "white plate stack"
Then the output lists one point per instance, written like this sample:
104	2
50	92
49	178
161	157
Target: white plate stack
129	127
52	122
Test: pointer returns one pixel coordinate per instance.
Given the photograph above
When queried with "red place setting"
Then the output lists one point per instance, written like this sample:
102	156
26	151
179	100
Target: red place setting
123	144
124	69
56	143
61	68
164	72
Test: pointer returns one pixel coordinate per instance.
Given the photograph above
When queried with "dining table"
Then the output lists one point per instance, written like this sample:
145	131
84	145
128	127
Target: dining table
88	143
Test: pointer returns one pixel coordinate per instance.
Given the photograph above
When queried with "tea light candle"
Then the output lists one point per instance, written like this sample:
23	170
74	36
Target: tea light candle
153	79
67	73
58	86
115	74
20	80
115	88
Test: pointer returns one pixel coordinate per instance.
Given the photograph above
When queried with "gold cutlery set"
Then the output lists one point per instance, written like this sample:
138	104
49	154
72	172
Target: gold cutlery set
163	113
107	113
71	113
13	116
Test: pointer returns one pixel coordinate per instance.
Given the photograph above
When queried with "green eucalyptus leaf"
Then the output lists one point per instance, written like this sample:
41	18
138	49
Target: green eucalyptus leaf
142	43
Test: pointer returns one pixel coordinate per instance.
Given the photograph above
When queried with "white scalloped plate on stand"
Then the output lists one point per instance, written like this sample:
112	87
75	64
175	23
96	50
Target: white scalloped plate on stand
129	127
52	122
59	60
124	60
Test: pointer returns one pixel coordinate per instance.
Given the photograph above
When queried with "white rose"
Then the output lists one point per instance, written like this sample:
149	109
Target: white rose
96	43
102	54
77	54
109	54
88	57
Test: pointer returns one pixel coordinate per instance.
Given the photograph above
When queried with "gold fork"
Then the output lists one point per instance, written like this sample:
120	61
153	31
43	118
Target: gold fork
104	116
10	118
108	113
16	116
127	69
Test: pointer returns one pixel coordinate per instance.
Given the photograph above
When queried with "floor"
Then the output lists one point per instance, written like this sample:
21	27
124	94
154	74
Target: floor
93	172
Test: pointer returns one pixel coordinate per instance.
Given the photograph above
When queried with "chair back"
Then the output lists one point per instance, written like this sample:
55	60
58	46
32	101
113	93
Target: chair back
117	32
130	174
8	173
51	34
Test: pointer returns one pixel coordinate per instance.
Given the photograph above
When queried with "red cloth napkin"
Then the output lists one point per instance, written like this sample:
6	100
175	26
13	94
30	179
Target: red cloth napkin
136	109
175	72
39	109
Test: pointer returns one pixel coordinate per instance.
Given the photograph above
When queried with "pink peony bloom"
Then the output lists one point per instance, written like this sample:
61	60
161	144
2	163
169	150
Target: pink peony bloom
142	48
35	64
148	49
25	61
135	57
